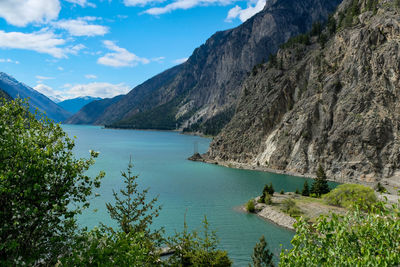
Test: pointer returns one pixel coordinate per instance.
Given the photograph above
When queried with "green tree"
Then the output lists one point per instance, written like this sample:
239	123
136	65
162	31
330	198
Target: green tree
320	185
262	257
350	195
355	239
306	190
194	249
42	187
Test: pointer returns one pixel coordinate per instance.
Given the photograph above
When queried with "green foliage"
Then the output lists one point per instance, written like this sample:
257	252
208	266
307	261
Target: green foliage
322	39
134	243
268	190
194	249
42	187
262	257
316	29
290	207
299	39
331	24
380	188
297	191
306	190
352	12
105	247
132	211
250	206
320	185
267	199
282	192
354	239
350	195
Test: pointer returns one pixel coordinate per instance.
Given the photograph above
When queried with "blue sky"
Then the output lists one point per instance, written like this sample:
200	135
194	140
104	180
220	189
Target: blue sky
71	48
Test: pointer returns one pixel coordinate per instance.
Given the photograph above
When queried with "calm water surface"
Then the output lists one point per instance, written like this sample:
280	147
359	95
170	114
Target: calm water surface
194	188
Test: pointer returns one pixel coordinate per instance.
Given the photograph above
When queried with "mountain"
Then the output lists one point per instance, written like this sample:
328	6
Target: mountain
333	100
4	95
87	115
16	89
203	91
75	104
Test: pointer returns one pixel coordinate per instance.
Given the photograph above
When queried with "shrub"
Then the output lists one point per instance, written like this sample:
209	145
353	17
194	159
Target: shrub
354	239
42	187
268	189
380	188
250	206
268	199
349	195
297	191
290	207
282	192
194	249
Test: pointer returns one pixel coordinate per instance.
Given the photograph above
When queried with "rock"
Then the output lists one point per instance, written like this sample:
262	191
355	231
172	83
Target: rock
337	105
196	157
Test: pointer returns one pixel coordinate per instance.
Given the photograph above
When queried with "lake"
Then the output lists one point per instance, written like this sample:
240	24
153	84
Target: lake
184	187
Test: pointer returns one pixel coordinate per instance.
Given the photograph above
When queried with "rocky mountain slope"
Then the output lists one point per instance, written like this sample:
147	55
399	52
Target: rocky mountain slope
4	95
331	99
16	89
75	104
207	86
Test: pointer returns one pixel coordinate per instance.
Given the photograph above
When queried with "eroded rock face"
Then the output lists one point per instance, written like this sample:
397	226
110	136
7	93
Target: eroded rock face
209	83
338	106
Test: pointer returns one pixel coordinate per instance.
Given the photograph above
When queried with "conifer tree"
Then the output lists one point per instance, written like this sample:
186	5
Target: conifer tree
320	185
306	190
262	256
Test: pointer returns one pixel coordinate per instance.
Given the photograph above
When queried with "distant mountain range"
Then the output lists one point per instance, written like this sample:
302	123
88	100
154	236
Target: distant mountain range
16	89
200	95
75	104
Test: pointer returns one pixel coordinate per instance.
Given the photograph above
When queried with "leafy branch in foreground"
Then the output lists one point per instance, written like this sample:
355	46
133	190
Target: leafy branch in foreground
358	238
42	187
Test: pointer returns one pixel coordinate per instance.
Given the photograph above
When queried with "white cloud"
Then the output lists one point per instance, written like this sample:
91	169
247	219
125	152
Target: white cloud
44	77
81	27
120	57
82	3
7	60
22	12
158	59
253	7
90	76
180	60
185	4
60	68
95	89
141	2
42	42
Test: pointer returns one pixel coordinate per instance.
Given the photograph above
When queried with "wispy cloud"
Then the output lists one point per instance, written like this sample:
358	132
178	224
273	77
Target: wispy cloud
82	3
90	76
81	27
185	4
253	7
180	60
120	57
44	77
141	2
22	12
7	60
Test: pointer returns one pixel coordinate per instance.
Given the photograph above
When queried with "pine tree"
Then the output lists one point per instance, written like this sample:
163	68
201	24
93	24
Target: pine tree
320	185
262	256
306	190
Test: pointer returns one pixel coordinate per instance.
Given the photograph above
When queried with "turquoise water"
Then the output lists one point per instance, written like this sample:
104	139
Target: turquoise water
183	186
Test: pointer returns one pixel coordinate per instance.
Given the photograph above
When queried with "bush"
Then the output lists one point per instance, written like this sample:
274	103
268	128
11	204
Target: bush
297	191
268	199
42	187
354	239
268	190
193	249
349	195
250	206
380	188
282	192
290	207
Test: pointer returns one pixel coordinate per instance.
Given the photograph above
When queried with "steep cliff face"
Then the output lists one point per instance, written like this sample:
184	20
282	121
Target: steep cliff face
208	84
334	102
